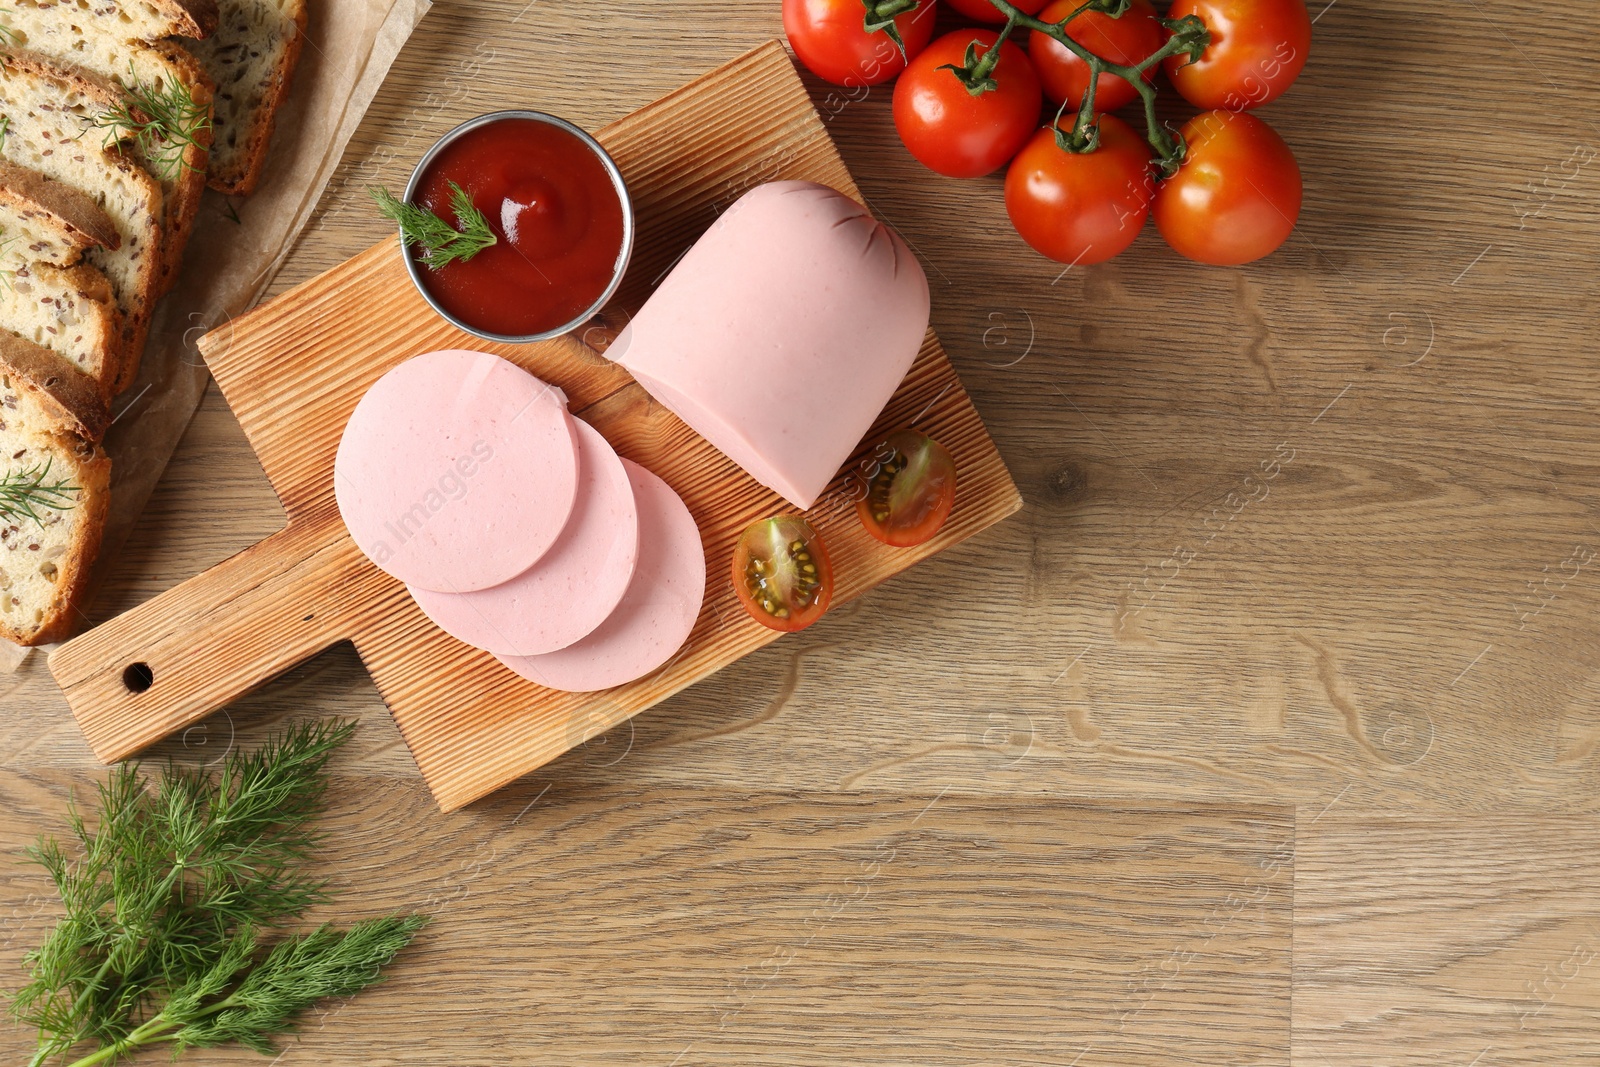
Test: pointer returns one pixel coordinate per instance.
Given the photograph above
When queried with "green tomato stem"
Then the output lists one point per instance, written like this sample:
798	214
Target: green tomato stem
880	16
991	58
1188	35
1085	130
888	9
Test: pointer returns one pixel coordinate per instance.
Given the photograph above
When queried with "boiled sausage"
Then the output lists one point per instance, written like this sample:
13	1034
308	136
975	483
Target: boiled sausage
780	336
457	470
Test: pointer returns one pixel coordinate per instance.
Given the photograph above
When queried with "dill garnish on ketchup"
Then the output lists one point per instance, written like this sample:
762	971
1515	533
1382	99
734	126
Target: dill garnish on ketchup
537	227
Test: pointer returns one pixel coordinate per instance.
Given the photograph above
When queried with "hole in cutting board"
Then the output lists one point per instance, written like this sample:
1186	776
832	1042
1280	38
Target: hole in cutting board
138	677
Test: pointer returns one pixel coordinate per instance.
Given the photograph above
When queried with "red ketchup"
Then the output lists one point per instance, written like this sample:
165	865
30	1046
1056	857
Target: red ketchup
557	220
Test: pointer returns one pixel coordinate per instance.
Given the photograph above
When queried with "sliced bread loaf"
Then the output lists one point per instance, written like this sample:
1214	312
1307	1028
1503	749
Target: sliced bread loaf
69	310
47	108
54	493
251	59
43	220
162	84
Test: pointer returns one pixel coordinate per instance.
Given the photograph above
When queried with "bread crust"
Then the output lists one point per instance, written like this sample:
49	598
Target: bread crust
103	90
73	213
70	397
190	18
180	18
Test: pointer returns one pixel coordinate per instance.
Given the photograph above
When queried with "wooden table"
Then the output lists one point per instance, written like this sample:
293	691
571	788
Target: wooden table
1267	733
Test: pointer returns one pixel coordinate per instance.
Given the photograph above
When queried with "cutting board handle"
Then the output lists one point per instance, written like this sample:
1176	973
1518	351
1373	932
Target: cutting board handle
190	651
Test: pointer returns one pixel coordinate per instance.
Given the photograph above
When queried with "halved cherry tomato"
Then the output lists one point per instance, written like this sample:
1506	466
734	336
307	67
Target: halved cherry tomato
1237	195
1125	40
954	132
1081	207
782	574
983	11
910	491
1257	50
831	40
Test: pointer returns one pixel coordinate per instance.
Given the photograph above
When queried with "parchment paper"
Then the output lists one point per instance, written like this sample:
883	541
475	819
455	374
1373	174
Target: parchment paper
239	244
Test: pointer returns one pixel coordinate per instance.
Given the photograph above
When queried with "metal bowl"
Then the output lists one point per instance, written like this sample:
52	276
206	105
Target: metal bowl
414	268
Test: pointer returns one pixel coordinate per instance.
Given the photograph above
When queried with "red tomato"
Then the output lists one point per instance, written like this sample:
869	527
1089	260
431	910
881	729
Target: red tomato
1125	41
1257	50
1237	195
983	11
782	574
830	39
953	132
910	490
1081	207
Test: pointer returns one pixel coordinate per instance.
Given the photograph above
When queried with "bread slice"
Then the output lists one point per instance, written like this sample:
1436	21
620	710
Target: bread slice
69	310
48	541
46	109
75	404
251	59
151	20
90	39
46	221
184	78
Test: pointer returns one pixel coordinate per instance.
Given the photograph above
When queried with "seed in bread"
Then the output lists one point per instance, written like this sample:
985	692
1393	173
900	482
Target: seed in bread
47	108
70	311
251	59
54	491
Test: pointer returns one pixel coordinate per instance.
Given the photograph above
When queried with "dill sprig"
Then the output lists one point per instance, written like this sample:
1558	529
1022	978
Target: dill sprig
171	900
295	974
164	123
23	493
441	243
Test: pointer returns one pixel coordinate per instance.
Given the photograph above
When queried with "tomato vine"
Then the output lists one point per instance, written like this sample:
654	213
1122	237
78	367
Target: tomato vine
1189	36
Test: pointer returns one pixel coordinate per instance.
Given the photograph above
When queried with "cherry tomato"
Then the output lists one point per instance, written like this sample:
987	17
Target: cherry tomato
953	132
983	11
830	39
1081	207
1125	40
782	574
1237	195
1257	50
910	491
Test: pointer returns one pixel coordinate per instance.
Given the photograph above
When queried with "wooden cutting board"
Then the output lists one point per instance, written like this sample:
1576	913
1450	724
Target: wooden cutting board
293	370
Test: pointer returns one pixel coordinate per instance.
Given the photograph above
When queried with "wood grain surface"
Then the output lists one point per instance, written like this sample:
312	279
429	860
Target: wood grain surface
1305	776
